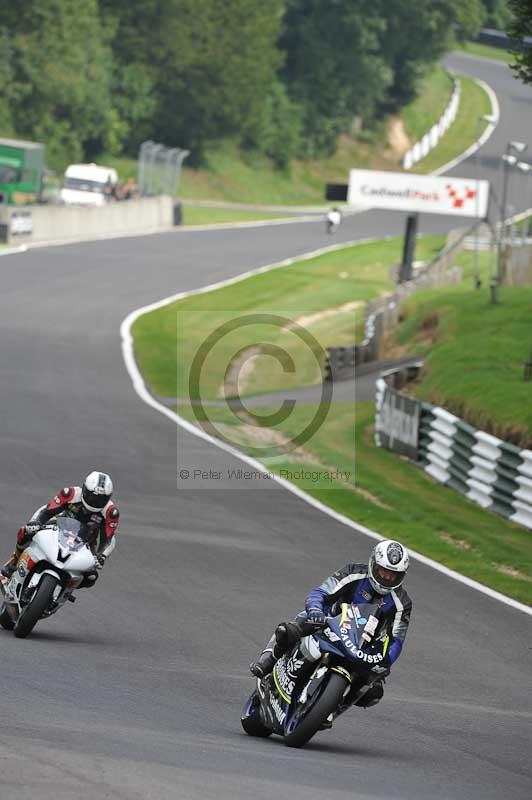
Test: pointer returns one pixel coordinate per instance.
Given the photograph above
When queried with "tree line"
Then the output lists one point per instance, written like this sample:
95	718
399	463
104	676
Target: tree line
284	77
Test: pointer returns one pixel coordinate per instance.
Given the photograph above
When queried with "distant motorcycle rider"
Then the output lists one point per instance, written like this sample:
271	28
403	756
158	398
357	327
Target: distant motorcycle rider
91	505
379	581
333	219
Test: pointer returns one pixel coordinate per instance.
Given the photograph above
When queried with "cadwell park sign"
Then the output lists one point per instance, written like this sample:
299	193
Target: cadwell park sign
461	197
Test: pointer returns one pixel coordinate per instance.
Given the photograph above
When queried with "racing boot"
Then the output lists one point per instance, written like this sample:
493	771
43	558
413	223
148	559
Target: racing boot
10	565
263	665
286	635
24	537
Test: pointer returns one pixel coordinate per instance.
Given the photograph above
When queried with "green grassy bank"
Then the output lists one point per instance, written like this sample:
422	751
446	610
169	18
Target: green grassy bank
474	352
307	291
486	51
382	491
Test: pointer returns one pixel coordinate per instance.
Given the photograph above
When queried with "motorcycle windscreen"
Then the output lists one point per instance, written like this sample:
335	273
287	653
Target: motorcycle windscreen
71	533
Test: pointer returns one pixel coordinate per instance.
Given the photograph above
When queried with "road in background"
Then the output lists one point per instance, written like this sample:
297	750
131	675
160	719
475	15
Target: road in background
135	691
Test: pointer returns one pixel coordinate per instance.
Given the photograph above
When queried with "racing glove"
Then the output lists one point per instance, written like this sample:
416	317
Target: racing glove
287	634
31	528
99	560
316	616
28	532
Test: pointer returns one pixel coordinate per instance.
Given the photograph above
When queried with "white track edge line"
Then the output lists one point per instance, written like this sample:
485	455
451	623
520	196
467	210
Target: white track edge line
140	388
10	251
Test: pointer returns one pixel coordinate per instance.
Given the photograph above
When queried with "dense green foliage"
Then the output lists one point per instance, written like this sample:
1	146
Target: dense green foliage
211	64
411	41
283	77
521	26
59	59
497	14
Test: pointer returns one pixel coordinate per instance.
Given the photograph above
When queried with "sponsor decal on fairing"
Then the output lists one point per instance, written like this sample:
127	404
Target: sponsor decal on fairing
277	709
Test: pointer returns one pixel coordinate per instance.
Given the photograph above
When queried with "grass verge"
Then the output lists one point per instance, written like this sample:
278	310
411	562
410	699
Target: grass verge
204	215
474	351
323	293
382	491
390	495
485	51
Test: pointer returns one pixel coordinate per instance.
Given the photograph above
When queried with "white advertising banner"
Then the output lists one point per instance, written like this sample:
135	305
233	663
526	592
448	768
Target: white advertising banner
400	191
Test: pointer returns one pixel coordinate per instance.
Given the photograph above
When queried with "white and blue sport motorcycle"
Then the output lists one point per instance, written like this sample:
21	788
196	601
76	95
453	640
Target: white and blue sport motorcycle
53	565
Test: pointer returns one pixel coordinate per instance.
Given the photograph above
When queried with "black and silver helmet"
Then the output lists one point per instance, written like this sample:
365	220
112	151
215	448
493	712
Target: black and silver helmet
387	566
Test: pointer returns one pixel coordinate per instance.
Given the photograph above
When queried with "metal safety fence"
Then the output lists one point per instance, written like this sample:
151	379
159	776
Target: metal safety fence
159	168
494	474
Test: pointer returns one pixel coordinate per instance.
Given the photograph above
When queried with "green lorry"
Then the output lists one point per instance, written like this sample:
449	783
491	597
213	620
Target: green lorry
21	171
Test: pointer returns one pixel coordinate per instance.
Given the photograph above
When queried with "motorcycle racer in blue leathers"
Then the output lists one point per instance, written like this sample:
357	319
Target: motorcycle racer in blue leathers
380	582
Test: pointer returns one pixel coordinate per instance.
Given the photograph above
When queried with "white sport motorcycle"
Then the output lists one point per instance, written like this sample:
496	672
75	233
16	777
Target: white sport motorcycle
49	570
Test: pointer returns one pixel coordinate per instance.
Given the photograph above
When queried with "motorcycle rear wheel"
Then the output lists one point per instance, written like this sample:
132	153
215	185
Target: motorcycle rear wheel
326	703
36	607
251	721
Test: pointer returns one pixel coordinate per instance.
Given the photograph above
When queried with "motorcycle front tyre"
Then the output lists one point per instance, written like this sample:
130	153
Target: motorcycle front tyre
324	705
36	607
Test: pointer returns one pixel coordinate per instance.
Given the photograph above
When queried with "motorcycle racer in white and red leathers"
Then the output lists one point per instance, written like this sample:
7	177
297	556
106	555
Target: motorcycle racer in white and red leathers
91	505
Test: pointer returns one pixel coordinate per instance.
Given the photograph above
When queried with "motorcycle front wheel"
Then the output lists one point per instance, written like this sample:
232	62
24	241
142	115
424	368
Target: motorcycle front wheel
303	725
40	601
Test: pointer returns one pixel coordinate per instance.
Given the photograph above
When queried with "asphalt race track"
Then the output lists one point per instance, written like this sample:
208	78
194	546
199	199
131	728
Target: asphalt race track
135	691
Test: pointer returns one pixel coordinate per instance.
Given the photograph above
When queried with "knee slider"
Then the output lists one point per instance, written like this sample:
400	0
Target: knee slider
89	580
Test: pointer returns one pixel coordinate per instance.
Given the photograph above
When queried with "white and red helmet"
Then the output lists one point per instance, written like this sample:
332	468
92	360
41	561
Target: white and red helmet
387	566
96	491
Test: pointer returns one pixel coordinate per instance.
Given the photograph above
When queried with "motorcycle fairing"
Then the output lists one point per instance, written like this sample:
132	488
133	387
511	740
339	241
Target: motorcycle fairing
343	636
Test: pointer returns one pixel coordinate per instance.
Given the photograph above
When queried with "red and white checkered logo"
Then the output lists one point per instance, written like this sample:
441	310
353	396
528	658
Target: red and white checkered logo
460	196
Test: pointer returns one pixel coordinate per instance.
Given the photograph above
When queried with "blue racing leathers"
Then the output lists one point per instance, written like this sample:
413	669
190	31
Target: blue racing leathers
351	585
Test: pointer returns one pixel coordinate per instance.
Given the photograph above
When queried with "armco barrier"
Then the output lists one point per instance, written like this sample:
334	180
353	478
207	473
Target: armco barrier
50	223
492	473
429	141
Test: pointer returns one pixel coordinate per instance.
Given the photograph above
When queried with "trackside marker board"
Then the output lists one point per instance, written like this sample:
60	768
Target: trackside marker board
424	193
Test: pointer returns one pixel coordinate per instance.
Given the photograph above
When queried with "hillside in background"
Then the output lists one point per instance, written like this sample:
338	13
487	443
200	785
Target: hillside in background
233	175
283	80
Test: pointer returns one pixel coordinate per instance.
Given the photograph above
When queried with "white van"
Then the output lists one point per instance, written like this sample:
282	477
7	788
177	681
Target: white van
88	184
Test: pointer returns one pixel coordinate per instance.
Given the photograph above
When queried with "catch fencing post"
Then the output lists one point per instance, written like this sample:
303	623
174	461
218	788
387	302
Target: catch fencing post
409	248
